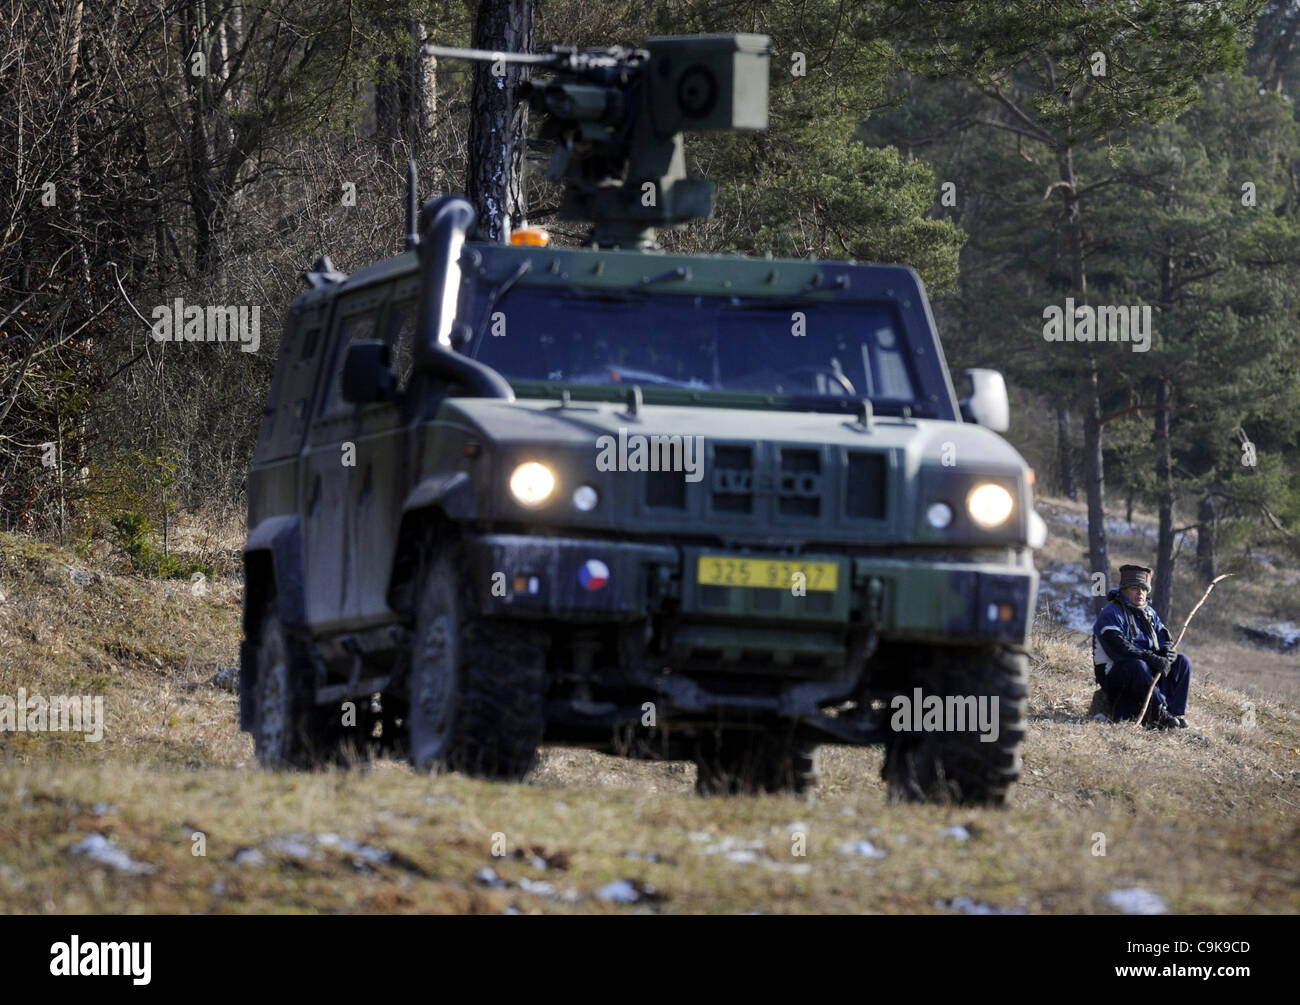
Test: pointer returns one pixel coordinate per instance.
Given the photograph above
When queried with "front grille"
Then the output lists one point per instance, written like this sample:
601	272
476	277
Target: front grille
799	487
774	484
733	479
864	486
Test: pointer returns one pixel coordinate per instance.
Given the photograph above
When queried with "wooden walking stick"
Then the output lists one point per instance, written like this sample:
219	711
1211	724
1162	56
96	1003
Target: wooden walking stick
1156	679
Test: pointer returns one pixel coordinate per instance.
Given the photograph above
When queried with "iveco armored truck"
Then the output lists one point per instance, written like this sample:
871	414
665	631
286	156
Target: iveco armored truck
711	508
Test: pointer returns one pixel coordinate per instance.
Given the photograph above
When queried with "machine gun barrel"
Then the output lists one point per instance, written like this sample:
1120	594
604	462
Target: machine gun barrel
606	65
489	56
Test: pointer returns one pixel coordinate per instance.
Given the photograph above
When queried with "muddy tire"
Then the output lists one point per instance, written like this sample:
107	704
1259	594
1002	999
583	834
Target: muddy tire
958	767
289	729
732	762
476	688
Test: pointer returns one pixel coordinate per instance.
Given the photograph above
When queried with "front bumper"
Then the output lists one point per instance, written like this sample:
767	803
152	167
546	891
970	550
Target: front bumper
912	599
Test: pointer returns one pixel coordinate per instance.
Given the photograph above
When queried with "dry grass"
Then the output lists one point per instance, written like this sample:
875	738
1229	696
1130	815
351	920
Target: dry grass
1207	818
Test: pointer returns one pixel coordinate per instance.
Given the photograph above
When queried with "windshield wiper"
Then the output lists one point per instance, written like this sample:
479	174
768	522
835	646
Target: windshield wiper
499	291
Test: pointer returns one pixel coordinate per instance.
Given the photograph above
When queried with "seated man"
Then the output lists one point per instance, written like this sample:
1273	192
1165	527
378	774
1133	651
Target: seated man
1129	646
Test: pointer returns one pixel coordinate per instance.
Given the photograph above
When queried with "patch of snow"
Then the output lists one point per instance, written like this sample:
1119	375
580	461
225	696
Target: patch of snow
1287	630
294	846
100	849
1135	900
1283	634
957	833
864	848
621	891
537	887
1065	592
363	852
249	856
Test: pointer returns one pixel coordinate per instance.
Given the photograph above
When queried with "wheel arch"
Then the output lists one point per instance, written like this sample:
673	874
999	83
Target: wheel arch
272	568
434	509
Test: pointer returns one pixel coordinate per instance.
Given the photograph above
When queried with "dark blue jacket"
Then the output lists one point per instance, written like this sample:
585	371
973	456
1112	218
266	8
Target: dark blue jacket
1123	631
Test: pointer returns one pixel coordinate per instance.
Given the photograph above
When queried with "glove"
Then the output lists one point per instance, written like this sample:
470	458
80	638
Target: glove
1167	652
1159	664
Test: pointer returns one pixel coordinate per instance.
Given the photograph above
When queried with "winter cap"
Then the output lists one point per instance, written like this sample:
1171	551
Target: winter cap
1134	575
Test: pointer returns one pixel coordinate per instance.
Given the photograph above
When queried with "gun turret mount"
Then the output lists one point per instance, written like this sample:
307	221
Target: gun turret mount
616	117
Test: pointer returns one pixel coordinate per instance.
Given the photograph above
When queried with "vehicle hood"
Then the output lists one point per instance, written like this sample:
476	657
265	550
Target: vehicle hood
581	424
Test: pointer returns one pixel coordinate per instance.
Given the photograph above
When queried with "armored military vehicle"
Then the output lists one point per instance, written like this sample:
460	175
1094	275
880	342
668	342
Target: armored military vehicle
711	508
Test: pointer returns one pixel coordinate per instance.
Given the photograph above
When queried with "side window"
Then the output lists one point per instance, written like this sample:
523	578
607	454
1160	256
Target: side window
401	340
310	340
358	327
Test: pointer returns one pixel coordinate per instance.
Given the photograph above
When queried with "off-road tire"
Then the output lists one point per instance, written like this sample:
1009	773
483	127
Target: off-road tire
958	767
732	762
477	686
289	729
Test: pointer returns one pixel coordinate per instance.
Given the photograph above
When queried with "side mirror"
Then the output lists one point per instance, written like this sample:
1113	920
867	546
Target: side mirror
367	373
988	405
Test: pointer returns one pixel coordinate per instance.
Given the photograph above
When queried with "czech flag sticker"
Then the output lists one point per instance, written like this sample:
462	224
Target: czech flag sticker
594	574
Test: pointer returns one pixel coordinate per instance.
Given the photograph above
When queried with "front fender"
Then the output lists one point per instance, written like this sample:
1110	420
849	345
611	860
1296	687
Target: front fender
273	559
452	493
437	499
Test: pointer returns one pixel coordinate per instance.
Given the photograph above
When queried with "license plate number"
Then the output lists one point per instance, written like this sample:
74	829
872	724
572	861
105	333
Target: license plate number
721	570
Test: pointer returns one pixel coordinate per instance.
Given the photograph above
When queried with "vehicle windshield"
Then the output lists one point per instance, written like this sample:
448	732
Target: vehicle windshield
834	350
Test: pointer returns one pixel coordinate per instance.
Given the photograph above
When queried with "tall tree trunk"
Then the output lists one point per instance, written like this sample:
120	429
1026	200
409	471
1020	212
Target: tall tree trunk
1206	521
405	96
498	120
205	196
1094	482
1065	455
1094	474
388	99
1163	586
423	109
75	15
1162	593
1271	77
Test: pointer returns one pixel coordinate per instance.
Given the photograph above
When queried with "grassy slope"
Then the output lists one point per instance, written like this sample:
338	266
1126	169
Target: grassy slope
1208	818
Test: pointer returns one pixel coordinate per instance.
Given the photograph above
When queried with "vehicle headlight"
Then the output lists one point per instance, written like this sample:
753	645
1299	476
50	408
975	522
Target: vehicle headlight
989	505
532	483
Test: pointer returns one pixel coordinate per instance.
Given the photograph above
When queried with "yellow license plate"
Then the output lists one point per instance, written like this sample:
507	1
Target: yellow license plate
723	570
